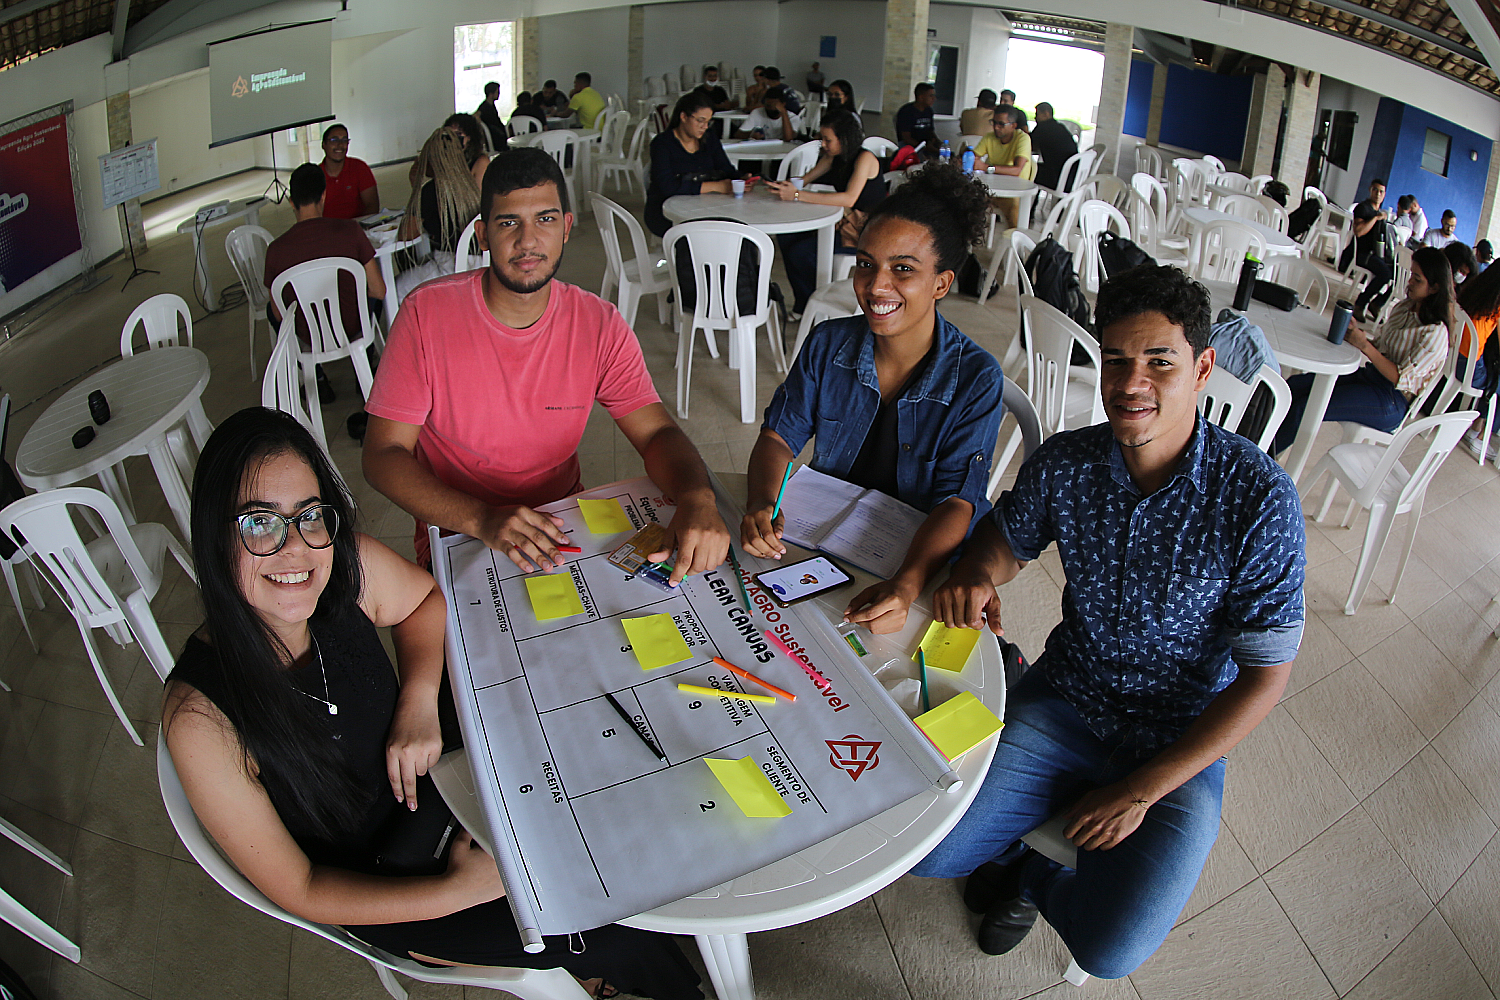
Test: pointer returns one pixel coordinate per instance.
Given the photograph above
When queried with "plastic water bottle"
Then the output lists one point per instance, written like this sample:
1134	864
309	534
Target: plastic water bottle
968	161
946	152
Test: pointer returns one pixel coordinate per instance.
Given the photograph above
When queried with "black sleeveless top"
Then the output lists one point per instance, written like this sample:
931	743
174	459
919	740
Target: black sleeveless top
838	174
364	686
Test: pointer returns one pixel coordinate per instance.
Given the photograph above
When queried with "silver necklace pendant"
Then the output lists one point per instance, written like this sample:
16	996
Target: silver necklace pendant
333	709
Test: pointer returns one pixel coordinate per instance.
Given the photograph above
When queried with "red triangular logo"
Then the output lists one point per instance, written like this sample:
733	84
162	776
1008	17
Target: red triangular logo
853	755
240	88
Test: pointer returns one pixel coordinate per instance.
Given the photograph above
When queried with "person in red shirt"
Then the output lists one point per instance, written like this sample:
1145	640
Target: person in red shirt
487	381
351	184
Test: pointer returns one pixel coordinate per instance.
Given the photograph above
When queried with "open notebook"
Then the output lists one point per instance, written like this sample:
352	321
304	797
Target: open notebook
865	528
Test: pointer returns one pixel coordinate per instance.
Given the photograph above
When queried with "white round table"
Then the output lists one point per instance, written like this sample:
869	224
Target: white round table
147	394
764	211
768	150
1198	218
1300	340
1008	186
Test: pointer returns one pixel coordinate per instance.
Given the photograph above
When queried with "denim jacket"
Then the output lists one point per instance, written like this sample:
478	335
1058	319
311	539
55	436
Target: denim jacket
947	420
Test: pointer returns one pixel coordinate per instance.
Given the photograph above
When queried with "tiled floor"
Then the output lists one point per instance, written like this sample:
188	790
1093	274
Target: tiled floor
1358	855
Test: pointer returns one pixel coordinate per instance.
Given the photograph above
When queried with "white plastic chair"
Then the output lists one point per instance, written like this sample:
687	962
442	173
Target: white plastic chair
1076	169
1303	275
523	124
315	286
1222	247
878	145
246	247
1334	230
1065	396
106	583
1028	431
799	161
469	256
1214	165
1149	160
1246	207
159	316
1096	217
1169	221
282	387
714	249
1190	182
1100	151
22	919
526	984
623	164
556	143
11	490
833	300
1007	256
1223	400
1279	220
1143	226
1467	342
1048	841
643	274
1377	481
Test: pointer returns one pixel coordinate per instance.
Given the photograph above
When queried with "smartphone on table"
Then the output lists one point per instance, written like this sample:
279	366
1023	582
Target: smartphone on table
802	581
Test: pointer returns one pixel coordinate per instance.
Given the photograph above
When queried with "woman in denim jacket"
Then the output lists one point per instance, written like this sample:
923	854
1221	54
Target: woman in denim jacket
896	399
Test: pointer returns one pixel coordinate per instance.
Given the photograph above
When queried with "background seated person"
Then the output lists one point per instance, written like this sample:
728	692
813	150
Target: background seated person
1368	250
585	101
1052	141
1442	235
854	174
1409	216
976	120
714	89
554	100
756	89
352	192
772	77
686	159
467	128
489	116
298	745
528	106
895	399
1008	150
1008	100
442	206
1461	261
840	97
1184	553
772	120
1480	298
914	121
1413	348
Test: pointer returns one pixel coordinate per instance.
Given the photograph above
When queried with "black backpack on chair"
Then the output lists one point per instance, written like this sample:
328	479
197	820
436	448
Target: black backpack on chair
1055	282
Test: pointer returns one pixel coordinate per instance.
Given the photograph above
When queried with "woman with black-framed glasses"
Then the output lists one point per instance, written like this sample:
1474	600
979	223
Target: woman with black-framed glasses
300	748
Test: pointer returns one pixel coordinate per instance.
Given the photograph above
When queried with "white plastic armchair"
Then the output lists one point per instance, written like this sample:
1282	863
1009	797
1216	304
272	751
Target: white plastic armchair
1466	345
282	388
1224	399
315	287
644	273
106	583
799	161
246	248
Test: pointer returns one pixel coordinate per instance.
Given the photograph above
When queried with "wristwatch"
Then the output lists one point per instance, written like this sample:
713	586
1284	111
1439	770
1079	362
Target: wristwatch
797	195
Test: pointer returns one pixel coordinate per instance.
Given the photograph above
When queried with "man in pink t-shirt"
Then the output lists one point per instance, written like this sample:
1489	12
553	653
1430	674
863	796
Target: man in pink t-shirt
488	378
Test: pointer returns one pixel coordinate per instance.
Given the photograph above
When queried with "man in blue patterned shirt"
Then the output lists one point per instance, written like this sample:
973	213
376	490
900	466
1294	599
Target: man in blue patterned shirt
1183	547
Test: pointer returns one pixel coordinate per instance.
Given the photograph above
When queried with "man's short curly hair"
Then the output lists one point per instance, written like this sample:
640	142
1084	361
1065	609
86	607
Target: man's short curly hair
1158	288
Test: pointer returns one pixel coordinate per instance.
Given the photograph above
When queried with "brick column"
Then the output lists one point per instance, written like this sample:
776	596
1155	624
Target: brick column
1301	124
905	55
117	117
1264	123
1489	212
1158	98
528	67
637	57
1118	40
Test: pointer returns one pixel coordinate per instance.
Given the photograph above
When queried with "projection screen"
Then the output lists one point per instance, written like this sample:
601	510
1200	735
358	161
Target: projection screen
272	79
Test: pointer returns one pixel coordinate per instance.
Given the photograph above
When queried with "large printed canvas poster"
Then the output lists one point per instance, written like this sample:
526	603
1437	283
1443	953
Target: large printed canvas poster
38	218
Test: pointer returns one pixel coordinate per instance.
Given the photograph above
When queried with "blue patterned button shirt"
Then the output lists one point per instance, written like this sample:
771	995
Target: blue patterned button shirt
1168	594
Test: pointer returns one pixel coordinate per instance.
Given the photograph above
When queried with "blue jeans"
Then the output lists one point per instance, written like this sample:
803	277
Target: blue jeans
1115	910
799	255
1364	396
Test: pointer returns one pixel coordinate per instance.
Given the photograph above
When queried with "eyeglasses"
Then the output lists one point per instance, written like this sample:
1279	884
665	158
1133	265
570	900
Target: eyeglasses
337	142
698	120
264	532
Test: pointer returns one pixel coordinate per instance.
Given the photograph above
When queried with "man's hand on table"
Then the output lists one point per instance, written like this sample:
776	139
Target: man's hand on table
527	537
882	608
698	535
761	536
1104	817
967	599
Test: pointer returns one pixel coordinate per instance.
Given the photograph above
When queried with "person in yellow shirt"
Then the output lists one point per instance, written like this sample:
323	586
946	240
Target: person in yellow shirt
585	101
1006	150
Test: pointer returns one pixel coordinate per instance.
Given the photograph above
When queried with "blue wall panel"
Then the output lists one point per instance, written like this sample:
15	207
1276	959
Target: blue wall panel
1396	154
1206	111
1138	98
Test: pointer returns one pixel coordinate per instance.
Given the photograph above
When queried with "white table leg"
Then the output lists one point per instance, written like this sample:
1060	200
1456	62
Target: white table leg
1312	420
172	486
118	491
727	957
825	254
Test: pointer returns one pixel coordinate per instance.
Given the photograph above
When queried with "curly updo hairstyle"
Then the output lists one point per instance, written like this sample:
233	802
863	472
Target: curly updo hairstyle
951	205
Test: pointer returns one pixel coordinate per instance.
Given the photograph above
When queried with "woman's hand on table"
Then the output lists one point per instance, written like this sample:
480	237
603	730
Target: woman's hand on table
412	747
1356	335
785	190
760	535
882	608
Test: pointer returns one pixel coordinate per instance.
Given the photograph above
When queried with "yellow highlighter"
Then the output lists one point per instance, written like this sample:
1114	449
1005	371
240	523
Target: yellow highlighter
716	693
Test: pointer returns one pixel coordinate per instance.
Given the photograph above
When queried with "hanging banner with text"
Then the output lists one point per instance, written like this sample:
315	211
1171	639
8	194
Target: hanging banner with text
38	215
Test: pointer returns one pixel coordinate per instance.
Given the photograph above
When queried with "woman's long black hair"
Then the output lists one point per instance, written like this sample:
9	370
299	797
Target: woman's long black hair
952	206
278	728
849	131
686	105
1438	306
469	126
848	90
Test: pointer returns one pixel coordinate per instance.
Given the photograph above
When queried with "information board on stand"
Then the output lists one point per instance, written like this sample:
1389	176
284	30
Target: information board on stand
129	172
593	822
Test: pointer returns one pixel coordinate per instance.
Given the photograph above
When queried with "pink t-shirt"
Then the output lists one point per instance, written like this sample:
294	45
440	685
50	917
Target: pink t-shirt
502	410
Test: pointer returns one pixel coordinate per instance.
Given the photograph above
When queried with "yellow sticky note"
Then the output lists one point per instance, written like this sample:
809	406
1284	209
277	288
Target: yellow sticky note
958	725
605	517
656	641
554	595
748	785
948	648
